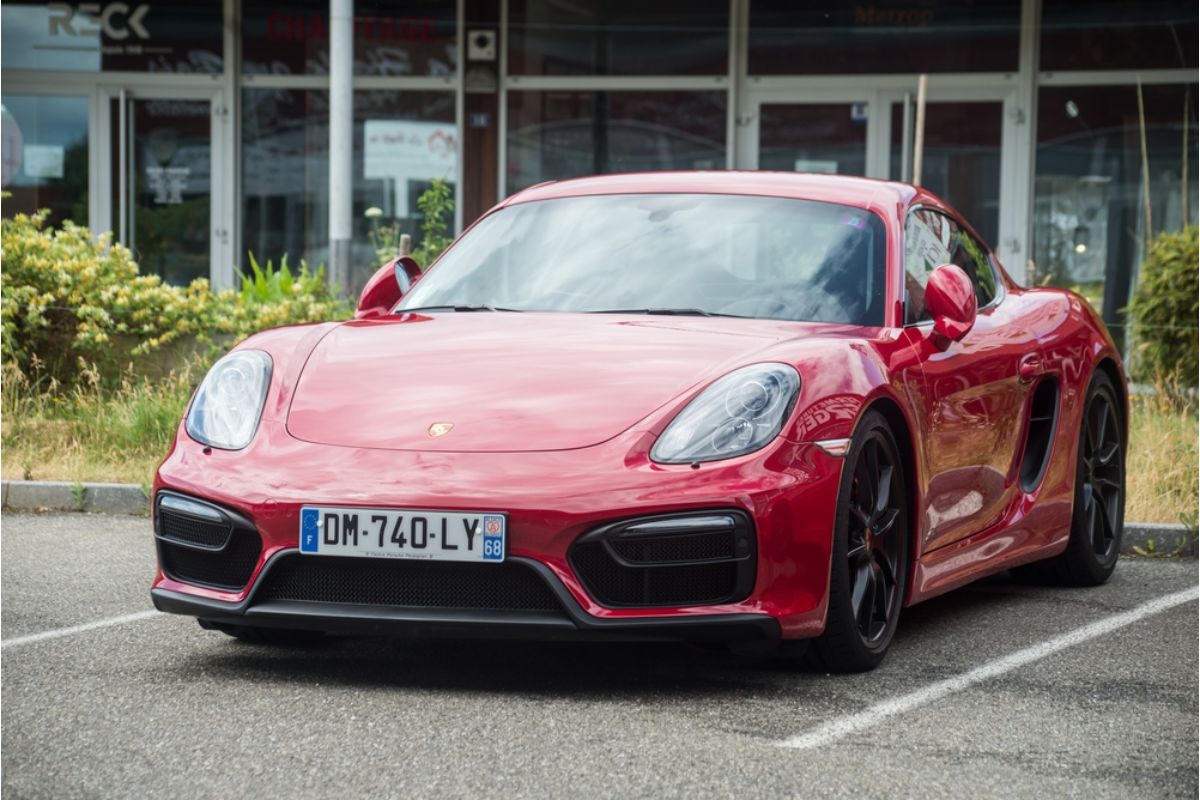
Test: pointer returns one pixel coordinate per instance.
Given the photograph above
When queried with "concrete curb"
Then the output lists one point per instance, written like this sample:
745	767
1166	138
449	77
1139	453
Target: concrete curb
127	498
104	498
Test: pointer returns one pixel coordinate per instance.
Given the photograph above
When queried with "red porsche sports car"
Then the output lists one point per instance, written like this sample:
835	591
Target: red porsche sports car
727	407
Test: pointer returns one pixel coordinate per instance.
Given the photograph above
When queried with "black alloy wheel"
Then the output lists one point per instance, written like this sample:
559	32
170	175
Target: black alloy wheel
1103	475
869	574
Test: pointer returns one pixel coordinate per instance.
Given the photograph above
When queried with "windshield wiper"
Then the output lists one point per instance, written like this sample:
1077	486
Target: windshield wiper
666	312
460	309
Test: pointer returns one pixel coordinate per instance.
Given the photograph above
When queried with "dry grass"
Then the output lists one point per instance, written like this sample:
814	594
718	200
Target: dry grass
120	435
1162	475
91	433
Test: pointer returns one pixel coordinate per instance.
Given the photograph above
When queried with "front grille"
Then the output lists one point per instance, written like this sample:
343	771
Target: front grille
223	569
187	529
700	547
638	563
509	586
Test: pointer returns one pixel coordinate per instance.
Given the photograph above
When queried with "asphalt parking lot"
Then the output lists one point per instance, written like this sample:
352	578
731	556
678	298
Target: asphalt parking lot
152	705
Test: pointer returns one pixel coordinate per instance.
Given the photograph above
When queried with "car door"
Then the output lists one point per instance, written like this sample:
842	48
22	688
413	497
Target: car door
974	390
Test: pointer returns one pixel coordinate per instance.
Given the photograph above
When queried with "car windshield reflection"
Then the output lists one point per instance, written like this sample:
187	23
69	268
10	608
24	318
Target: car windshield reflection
682	254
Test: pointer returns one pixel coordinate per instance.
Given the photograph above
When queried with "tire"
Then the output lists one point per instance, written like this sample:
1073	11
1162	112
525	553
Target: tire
869	566
1098	510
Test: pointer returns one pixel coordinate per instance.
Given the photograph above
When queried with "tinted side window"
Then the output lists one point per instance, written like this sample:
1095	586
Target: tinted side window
927	244
930	240
969	254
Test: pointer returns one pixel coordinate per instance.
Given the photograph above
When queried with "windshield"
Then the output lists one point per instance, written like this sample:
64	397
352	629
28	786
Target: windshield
732	255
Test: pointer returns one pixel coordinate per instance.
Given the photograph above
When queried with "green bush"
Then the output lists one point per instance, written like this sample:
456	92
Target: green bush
437	207
67	300
1164	310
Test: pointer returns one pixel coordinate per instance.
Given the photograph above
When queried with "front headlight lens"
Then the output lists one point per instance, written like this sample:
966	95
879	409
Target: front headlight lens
738	414
230	401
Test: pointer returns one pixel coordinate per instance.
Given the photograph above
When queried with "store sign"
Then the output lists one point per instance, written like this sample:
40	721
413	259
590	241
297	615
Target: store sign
43	161
404	151
115	20
133	36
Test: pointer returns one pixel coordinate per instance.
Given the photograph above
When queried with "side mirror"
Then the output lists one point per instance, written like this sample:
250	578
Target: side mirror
385	288
950	300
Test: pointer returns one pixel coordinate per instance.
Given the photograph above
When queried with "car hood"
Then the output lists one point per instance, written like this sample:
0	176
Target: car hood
505	382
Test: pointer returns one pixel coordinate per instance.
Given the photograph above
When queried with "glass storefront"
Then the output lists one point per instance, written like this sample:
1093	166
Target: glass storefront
45	155
961	159
882	37
413	38
564	134
1090	224
402	141
133	117
618	37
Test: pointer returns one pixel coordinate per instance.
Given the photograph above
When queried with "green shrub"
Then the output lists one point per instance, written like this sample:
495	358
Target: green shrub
68	300
1164	310
437	207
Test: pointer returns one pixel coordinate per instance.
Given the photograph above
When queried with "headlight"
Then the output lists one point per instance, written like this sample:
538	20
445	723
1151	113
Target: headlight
230	401
737	414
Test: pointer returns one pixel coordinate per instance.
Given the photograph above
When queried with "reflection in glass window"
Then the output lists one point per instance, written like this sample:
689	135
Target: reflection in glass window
618	37
402	141
45	156
130	37
414	38
764	257
883	36
1118	34
1089	223
566	134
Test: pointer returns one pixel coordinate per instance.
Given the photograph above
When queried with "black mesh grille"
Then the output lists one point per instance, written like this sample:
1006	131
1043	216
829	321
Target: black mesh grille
614	584
510	586
187	529
225	569
697	547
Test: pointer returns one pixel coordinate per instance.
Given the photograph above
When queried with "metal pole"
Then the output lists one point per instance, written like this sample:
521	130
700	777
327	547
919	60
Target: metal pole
341	140
919	134
906	139
123	171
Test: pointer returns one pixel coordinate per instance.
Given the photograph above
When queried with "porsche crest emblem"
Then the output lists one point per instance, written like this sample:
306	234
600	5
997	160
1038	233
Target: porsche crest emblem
440	428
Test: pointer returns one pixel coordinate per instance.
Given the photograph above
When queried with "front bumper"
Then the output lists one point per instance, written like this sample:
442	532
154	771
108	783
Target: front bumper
571	623
552	500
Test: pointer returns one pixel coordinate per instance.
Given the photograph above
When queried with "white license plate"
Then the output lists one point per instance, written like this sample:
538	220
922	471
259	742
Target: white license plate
403	533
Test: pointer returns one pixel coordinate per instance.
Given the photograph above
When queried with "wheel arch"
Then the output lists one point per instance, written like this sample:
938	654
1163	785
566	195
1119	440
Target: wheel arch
902	432
1109	367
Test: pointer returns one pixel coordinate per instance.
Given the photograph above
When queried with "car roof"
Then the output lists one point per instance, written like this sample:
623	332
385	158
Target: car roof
845	189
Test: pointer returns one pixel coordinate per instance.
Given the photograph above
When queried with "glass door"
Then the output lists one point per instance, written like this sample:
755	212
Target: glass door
805	132
813	137
162	182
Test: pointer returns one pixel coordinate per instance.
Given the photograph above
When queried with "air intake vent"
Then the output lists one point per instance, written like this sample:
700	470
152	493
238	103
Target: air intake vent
510	586
677	560
1043	420
203	544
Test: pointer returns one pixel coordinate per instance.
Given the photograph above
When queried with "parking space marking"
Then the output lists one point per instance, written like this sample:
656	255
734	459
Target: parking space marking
73	629
834	730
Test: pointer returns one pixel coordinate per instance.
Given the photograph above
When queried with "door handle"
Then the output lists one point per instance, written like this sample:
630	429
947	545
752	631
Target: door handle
1029	367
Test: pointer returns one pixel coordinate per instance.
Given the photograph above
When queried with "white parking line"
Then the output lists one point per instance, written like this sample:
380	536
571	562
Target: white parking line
87	626
834	730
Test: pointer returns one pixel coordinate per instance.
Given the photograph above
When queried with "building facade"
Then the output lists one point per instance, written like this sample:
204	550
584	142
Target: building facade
199	132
